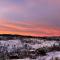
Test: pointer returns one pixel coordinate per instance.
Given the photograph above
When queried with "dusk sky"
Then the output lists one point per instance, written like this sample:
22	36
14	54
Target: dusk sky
30	17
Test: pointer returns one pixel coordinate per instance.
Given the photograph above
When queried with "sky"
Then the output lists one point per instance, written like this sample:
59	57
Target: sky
30	17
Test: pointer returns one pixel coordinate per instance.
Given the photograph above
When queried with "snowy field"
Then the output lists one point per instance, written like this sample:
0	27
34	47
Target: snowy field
50	56
34	44
11	45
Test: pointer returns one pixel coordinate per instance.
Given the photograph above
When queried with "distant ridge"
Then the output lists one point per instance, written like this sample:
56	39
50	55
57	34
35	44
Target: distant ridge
26	35
12	36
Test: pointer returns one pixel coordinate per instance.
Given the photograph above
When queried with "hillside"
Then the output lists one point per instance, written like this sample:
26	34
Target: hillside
31	47
11	36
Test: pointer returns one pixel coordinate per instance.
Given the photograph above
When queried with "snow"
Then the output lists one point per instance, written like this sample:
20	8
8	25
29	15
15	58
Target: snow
43	44
18	43
10	44
22	59
49	56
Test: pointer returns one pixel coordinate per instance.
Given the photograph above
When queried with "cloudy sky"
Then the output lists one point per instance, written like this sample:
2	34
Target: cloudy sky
30	17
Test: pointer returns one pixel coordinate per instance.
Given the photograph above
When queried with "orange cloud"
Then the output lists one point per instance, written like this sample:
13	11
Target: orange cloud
7	27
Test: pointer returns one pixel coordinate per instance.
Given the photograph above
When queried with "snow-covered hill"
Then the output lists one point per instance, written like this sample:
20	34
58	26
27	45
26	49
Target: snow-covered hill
32	46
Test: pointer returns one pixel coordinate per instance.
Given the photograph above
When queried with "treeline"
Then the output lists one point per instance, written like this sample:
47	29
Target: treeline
14	36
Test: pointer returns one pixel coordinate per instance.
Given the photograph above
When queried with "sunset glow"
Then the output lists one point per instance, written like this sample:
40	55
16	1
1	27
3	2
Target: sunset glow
30	17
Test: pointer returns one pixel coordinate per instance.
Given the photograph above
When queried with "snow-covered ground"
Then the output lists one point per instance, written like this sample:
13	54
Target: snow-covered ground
18	43
38	44
49	56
